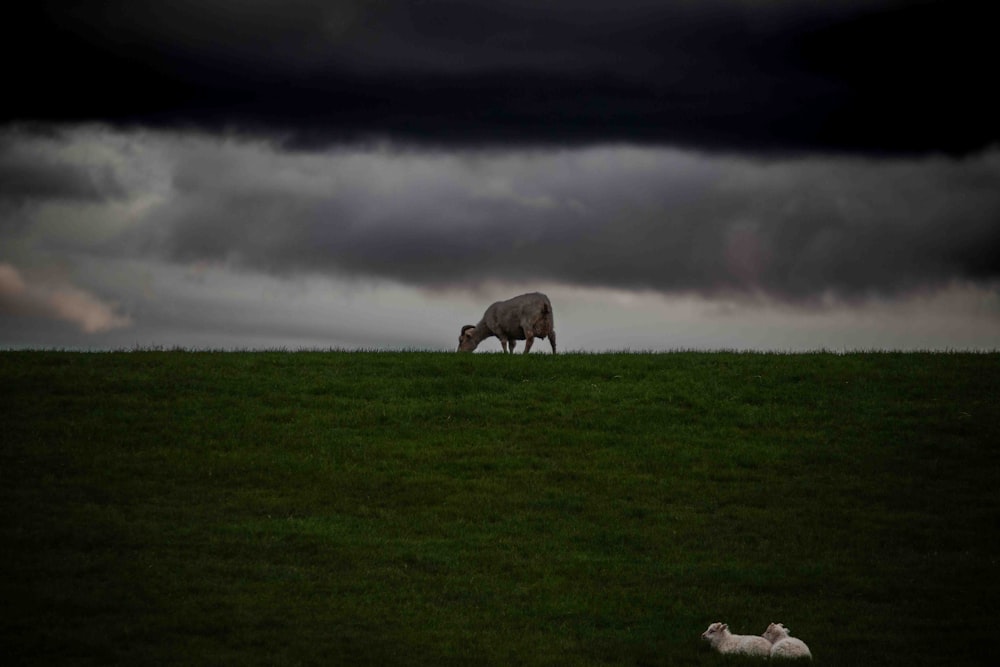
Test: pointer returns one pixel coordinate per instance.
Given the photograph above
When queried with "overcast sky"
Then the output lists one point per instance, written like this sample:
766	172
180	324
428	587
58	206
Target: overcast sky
742	174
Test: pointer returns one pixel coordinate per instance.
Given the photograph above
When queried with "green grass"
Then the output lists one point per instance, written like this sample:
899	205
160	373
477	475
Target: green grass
178	508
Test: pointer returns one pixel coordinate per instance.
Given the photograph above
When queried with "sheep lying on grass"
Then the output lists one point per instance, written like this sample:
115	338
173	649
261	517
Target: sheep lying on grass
785	646
723	641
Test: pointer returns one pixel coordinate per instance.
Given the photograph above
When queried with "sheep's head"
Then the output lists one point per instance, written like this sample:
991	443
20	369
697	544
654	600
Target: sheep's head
775	631
714	631
467	340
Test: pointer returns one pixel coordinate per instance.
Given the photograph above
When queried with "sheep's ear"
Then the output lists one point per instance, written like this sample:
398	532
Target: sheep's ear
725	626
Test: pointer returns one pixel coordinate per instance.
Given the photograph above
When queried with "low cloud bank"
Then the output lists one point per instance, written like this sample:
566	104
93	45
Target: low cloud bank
140	214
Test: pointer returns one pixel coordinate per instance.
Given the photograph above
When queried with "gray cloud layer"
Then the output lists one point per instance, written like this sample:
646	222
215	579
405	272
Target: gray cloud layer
622	217
798	230
884	76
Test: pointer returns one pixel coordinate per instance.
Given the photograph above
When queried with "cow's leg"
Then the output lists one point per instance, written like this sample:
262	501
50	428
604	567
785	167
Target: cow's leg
512	342
529	338
552	341
503	344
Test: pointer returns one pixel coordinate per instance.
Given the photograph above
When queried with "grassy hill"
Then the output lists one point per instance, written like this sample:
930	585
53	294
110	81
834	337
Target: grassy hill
178	508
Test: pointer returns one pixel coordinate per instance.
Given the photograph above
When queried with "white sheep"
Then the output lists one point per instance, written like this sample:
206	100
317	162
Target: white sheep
723	641
524	317
783	645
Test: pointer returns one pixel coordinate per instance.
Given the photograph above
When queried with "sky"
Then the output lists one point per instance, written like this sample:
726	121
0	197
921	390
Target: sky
780	175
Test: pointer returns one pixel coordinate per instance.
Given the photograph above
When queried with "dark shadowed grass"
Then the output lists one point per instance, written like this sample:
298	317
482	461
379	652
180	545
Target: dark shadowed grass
422	508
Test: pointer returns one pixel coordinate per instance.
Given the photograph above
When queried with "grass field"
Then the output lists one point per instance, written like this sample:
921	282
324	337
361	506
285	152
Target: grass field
181	508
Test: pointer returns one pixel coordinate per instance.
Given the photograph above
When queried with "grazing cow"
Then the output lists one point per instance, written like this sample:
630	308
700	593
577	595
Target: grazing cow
524	317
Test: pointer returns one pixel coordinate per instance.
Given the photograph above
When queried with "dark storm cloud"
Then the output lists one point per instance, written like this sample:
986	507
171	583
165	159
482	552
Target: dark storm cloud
30	174
779	75
796	230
